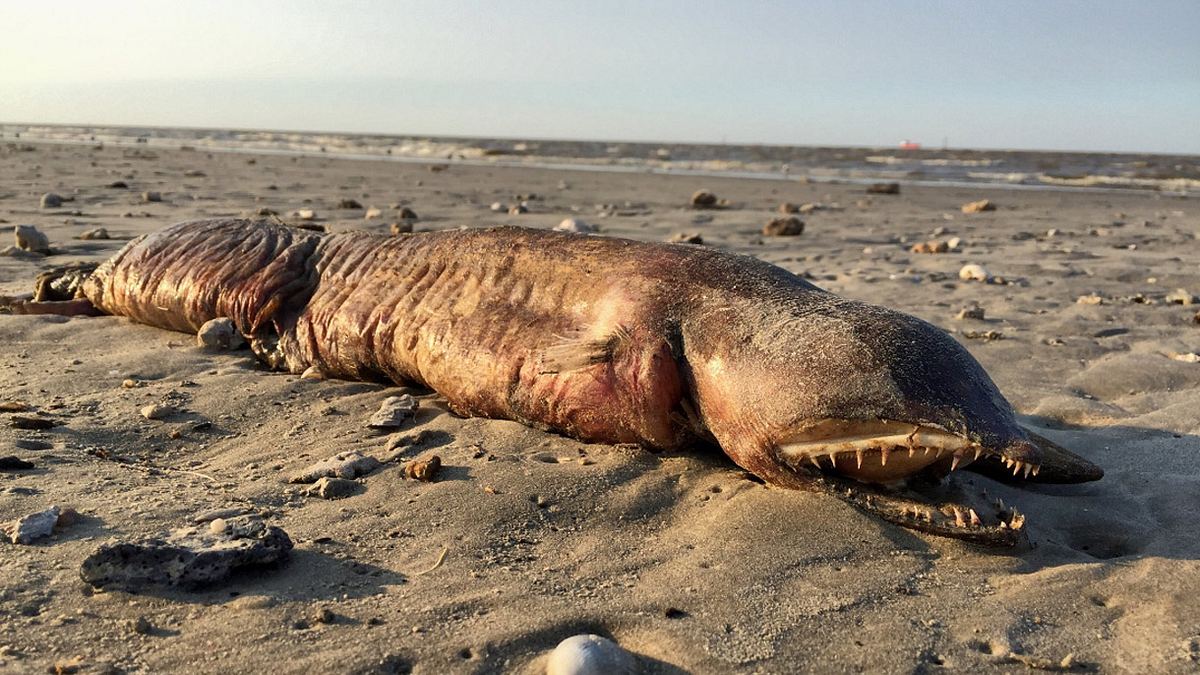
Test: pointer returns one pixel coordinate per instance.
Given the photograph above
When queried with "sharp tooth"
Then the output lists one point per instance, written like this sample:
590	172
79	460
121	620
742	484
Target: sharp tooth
813	459
859	453
978	453
954	464
975	518
1003	525
1016	468
1036	469
883	455
1000	503
1028	470
958	519
911	451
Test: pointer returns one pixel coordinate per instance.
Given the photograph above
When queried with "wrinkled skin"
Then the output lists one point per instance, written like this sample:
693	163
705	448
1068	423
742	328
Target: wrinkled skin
610	340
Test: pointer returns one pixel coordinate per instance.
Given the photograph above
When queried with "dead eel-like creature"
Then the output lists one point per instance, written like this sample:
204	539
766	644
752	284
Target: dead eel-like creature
609	340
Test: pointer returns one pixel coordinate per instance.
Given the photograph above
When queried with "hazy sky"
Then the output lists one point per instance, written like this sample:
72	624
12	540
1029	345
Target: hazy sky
1092	75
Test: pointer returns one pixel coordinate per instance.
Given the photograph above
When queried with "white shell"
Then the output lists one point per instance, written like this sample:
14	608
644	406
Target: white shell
973	272
590	655
577	226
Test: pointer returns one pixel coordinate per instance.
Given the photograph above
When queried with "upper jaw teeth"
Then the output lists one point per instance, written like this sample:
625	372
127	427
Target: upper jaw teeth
1018	466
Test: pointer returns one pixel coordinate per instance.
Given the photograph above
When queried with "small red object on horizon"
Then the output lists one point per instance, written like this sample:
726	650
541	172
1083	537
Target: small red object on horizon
910	145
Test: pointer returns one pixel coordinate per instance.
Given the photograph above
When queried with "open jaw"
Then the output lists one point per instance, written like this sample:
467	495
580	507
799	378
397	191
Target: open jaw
894	470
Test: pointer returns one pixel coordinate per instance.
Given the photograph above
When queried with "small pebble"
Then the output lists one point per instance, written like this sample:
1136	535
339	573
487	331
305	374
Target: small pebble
51	200
158	411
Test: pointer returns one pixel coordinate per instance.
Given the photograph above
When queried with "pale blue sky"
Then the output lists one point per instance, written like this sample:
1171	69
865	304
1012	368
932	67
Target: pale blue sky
1047	74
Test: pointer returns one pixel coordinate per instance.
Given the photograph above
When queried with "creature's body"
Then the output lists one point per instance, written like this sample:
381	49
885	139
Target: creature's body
606	340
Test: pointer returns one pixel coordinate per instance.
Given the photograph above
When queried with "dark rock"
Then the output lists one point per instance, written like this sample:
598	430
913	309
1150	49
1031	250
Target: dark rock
51	200
884	189
189	557
35	423
406	214
119	185
703	199
404	227
14	463
349	204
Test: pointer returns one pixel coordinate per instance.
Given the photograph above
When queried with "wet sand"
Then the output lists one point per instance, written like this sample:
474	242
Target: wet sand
679	557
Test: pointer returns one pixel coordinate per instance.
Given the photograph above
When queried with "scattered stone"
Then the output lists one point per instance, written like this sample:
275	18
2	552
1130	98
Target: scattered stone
518	209
883	189
219	334
403	227
222	514
590	655
1180	296
424	469
151	196
973	272
350	464
703	199
158	411
32	444
139	626
333	488
188	557
934	246
14	463
14	406
119	185
94	233
30	528
789	208
1091	299
51	200
979	206
788	226
987	335
685	238
406	214
498	207
349	204
576	226
372	213
32	423
29	238
973	312
265	212
393	412
15	252
305	214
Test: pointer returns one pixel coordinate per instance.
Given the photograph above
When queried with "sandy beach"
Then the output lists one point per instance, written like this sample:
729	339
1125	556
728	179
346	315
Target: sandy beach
527	537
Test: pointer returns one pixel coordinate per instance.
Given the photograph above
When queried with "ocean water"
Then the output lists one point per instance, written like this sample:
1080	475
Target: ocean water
1178	174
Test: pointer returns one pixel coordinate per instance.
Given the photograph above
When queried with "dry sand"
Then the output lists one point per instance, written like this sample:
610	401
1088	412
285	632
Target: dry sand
679	557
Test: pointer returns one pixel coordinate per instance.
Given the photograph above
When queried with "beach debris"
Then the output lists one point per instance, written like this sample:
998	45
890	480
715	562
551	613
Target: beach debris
393	412
304	214
1189	357
788	208
32	423
265	212
39	525
704	199
16	252
189	557
883	189
151	196
685	238
158	411
1180	296
349	464
14	463
517	209
590	655
32	444
402	227
14	406
119	185
327	487
986	335
51	200
29	238
577	226
94	233
372	213
62	282
224	513
498	207
424	469
979	206
973	272
349	204
312	373
219	334
936	246
973	312
787	226
406	213
1090	299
